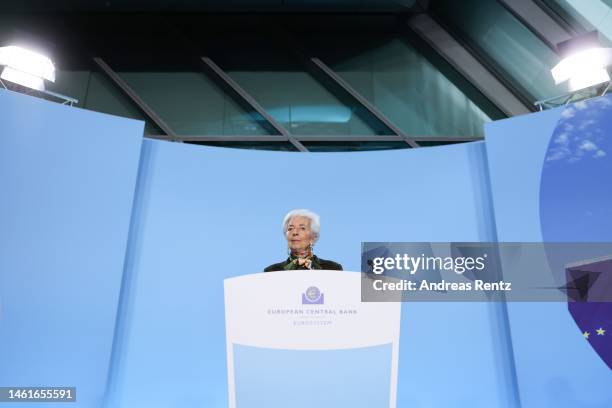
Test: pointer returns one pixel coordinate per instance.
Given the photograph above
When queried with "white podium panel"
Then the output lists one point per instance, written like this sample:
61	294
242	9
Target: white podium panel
304	339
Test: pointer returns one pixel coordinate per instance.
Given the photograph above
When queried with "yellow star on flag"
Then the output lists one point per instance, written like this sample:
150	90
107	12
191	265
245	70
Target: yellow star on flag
600	331
586	334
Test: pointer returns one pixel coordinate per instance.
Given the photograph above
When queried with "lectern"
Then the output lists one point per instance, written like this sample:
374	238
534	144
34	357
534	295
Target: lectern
305	339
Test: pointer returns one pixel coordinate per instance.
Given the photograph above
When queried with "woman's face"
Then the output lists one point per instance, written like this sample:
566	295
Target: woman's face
299	234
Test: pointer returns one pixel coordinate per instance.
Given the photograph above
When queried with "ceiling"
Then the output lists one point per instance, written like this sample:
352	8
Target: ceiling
499	52
210	5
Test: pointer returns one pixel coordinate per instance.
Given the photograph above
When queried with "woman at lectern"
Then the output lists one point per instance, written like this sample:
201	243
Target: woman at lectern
301	228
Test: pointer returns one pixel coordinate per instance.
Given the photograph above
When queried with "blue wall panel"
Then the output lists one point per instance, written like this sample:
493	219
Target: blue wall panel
67	178
556	366
204	214
201	214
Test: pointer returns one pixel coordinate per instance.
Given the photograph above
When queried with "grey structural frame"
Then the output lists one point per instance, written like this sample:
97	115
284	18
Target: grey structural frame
429	30
318	138
66	100
363	101
284	135
467	64
136	98
318	66
538	21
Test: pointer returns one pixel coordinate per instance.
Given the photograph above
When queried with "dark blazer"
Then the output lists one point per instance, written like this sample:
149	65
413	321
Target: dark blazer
325	264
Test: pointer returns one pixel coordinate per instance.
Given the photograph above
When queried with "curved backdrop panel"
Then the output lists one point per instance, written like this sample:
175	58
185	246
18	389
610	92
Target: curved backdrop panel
206	214
67	179
109	240
550	182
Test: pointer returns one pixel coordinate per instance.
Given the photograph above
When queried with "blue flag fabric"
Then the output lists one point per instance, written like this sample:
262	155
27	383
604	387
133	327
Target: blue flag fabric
589	289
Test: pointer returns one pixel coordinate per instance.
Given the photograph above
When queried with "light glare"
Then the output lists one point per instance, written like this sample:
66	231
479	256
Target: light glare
584	69
588	78
27	62
23	78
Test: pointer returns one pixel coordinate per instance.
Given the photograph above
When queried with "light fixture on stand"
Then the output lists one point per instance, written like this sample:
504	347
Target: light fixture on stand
27	71
584	66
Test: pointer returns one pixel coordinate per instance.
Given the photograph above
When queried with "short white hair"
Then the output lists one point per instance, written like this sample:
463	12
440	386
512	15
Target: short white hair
315	220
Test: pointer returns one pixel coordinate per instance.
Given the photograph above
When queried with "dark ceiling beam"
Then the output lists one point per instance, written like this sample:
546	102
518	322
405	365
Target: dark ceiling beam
362	101
140	103
468	65
573	24
538	21
227	80
320	69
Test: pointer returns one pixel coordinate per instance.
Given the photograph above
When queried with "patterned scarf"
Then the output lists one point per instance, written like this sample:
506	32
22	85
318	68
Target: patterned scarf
302	260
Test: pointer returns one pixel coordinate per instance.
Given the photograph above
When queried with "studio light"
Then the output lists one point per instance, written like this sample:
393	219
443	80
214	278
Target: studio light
25	67
584	64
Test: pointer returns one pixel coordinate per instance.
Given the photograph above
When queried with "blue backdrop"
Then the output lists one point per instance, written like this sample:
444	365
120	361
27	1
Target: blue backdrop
67	180
204	214
87	216
550	182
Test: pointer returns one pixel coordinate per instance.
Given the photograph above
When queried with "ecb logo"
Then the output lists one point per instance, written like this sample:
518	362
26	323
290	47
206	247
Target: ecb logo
313	296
